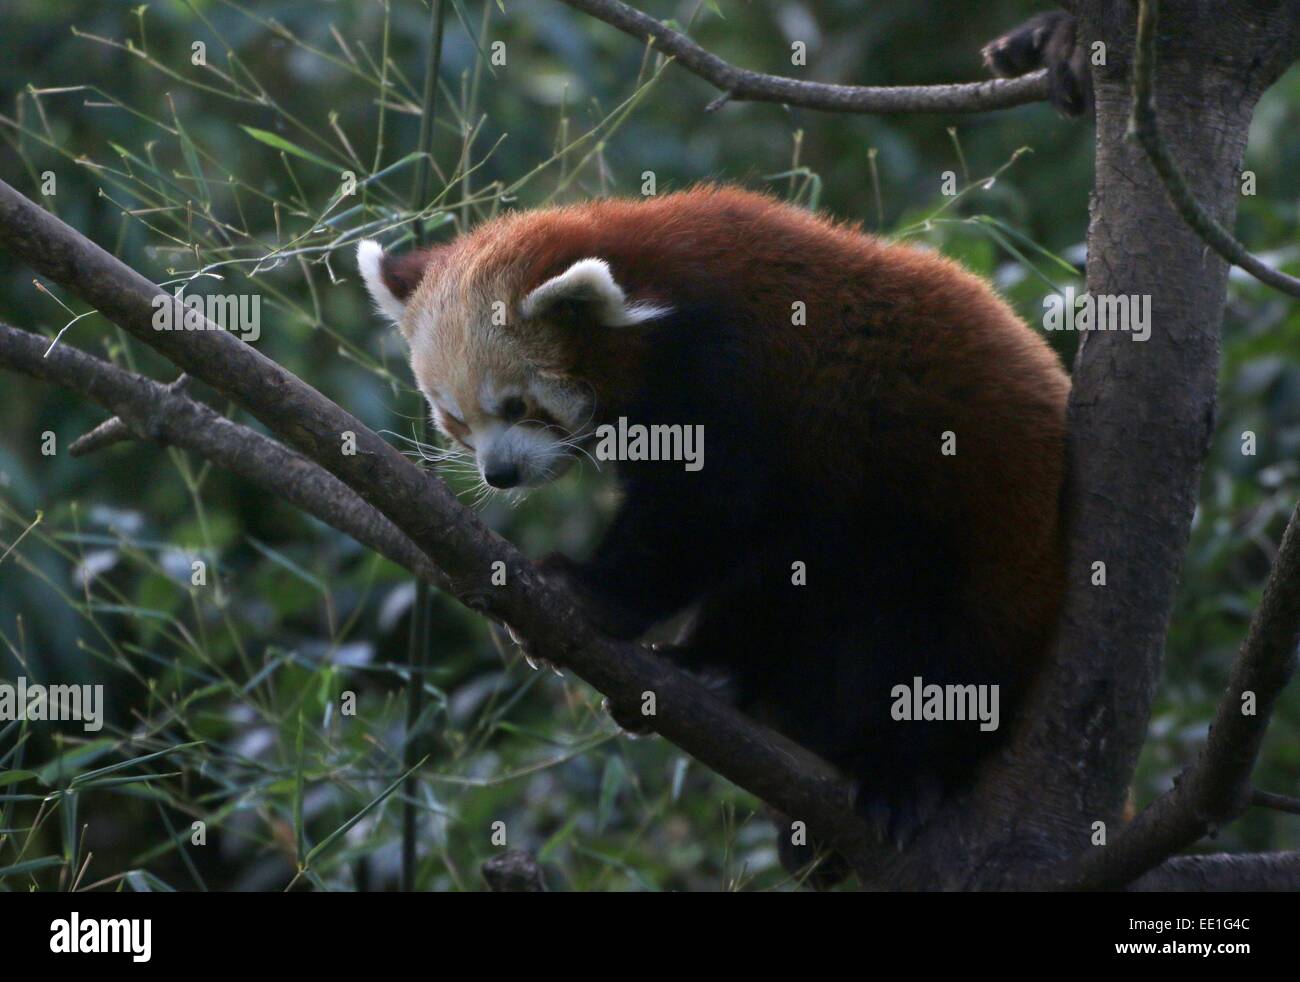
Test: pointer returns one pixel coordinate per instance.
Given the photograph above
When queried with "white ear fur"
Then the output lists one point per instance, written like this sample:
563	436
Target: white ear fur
590	282
370	257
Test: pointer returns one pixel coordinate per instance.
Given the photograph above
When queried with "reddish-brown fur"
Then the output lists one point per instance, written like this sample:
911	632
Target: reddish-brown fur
911	334
829	436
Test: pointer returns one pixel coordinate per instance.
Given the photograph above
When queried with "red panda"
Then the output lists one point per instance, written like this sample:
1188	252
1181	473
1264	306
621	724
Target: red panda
879	501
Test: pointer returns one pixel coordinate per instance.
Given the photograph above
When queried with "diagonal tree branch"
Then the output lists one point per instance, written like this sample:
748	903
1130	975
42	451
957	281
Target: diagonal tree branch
770	766
1278	802
739	84
148	410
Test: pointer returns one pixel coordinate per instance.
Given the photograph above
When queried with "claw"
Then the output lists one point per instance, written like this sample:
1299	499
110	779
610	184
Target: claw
537	663
525	647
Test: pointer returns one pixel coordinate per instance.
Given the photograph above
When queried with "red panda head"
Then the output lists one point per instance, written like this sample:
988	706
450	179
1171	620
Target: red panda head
517	331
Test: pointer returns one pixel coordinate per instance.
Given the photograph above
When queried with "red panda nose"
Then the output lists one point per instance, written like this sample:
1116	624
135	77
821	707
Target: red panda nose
502	475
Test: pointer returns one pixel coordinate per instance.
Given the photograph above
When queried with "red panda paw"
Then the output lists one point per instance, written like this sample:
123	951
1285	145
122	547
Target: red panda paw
1048	41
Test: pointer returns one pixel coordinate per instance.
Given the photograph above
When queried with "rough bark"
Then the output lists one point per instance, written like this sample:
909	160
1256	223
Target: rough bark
1224	873
1141	413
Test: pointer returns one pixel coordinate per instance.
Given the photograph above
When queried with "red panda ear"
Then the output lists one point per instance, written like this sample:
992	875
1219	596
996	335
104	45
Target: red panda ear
391	279
587	293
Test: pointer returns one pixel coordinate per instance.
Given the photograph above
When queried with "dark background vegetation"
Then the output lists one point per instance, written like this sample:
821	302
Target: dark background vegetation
151	156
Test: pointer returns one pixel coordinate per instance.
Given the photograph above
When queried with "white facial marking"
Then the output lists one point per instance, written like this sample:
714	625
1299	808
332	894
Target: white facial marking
448	403
514	447
520	455
568	404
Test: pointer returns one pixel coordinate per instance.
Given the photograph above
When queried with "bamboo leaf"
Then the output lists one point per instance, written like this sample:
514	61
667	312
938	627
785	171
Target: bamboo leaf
280	143
13	777
30	866
81	779
346	826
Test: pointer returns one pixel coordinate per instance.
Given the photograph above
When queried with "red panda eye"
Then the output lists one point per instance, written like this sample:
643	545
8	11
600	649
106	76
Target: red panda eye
513	409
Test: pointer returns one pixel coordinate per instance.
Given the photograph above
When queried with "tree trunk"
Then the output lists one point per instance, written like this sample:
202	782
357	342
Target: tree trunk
1141	416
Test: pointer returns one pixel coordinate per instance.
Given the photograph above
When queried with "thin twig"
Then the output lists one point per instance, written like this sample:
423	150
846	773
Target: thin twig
1278	802
115	430
107	433
424	142
739	84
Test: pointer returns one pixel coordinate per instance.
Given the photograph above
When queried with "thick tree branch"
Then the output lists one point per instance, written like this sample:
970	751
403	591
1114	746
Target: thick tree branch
1225	873
1147	129
739	84
151	411
765	763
